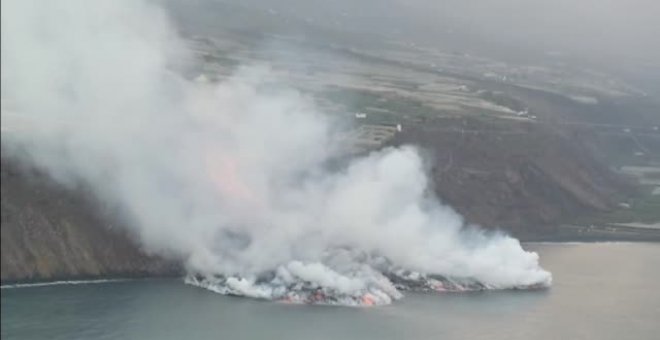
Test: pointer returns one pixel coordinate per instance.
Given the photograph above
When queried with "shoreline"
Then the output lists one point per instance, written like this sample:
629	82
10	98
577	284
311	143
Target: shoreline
591	234
75	280
62	282
588	239
551	240
20	285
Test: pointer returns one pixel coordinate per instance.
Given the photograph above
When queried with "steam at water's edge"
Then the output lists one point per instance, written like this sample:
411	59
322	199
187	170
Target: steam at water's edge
230	178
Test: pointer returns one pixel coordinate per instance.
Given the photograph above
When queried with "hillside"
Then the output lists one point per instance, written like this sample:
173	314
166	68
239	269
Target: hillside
525	183
518	177
51	233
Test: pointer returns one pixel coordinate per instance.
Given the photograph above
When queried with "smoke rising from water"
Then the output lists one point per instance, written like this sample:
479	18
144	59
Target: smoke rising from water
231	178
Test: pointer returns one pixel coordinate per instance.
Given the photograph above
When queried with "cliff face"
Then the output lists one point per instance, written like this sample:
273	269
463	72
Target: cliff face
518	177
51	233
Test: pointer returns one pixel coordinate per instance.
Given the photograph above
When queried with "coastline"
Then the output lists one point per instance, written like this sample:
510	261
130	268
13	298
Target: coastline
59	283
78	279
594	234
530	240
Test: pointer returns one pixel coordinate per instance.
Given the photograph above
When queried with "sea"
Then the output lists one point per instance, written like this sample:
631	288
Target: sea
599	291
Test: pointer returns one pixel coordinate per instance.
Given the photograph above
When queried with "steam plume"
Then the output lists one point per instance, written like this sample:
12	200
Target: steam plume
231	178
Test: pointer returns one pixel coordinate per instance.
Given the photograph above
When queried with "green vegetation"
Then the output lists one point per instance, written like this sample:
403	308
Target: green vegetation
652	175
384	106
643	209
220	60
502	99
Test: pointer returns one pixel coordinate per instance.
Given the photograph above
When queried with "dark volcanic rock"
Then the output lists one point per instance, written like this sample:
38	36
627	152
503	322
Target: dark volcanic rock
51	233
518	177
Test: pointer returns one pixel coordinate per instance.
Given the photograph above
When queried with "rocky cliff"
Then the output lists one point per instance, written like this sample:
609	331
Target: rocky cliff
522	178
52	233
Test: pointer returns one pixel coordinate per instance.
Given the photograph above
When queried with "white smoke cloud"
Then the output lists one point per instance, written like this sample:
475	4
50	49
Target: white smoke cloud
231	178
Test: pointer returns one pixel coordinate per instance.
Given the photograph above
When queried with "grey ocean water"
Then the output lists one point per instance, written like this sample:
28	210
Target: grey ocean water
600	291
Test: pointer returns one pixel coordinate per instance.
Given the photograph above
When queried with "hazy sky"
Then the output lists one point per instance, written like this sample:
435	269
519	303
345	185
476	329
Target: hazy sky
617	27
620	34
